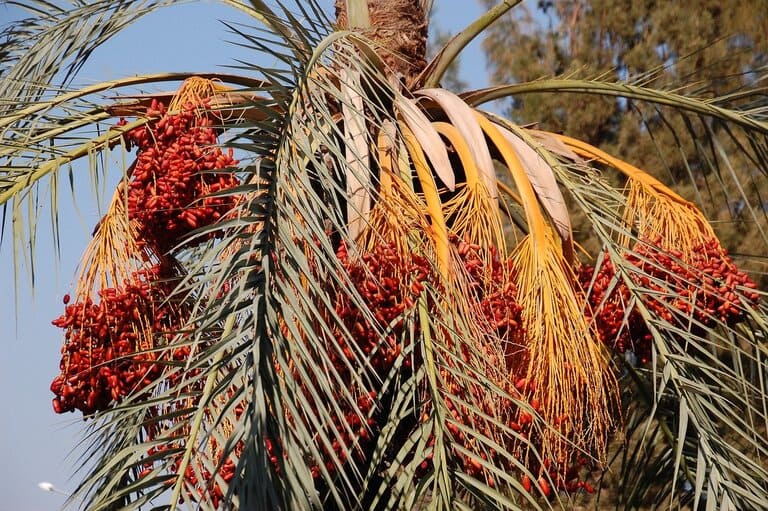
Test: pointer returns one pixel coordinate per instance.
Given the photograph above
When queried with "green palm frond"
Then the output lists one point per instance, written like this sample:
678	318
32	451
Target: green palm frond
58	39
710	107
727	133
705	390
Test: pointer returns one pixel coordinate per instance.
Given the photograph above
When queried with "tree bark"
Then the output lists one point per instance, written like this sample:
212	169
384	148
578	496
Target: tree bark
400	27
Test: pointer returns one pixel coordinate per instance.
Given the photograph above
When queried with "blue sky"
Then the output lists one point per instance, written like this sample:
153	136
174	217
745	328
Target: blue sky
36	444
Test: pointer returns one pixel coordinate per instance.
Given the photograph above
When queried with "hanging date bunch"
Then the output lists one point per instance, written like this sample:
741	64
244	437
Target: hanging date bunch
123	316
707	289
707	286
389	282
204	474
526	320
619	324
109	351
503	352
118	326
679	268
494	305
178	168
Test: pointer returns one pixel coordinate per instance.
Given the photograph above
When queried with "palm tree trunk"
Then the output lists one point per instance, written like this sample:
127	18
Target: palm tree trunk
400	27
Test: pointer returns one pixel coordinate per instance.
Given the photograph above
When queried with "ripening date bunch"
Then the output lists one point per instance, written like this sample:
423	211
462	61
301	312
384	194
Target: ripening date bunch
608	298
567	472
178	166
494	296
709	289
104	354
200	484
104	357
211	490
491	281
563	471
389	283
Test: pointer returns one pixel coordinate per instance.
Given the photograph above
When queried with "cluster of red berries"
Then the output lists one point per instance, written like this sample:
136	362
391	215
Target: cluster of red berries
178	166
389	283
197	475
567	473
106	354
495	297
708	289
619	328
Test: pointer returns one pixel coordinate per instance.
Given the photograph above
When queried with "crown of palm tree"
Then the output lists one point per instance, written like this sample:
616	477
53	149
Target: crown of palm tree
381	305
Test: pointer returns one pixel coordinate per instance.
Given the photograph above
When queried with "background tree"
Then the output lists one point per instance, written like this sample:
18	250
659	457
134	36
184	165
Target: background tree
338	320
700	47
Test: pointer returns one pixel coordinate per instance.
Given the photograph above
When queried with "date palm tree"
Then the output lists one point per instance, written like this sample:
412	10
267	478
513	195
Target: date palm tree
382	304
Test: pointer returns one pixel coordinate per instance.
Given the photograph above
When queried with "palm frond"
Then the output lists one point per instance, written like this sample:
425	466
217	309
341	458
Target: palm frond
50	47
59	39
431	75
703	389
624	90
726	134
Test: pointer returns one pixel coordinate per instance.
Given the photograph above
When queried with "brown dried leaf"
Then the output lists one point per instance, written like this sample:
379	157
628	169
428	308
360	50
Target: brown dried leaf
428	138
463	118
